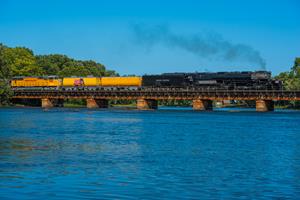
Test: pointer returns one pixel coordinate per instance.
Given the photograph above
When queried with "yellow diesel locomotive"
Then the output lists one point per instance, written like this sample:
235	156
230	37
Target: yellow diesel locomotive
27	82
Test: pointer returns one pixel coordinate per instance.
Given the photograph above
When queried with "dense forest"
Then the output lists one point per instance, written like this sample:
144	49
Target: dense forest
21	61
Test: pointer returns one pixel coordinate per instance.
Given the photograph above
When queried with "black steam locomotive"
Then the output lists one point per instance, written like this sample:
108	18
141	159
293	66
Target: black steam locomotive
258	80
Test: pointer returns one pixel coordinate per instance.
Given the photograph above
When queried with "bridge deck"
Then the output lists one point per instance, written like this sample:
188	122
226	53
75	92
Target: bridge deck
163	94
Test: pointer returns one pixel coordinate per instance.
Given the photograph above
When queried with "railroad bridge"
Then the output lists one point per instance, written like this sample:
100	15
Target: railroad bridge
147	97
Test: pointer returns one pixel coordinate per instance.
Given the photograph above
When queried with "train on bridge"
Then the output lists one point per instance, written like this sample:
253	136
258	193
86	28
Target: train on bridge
257	80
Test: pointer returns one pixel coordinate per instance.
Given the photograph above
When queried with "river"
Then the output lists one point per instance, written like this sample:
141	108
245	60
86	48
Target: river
170	153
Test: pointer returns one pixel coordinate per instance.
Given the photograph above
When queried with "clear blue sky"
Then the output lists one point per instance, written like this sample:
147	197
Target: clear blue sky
103	31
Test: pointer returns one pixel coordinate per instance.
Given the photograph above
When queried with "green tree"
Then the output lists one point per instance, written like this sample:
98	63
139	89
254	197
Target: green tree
5	74
4	69
5	92
56	64
111	73
21	62
52	64
291	79
94	68
296	68
74	69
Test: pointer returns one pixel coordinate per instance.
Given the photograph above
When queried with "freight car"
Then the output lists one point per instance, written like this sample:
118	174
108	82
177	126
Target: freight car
80	83
130	81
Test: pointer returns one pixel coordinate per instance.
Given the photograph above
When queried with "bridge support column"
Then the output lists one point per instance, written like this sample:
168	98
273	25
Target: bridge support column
146	104
264	105
202	105
96	103
47	103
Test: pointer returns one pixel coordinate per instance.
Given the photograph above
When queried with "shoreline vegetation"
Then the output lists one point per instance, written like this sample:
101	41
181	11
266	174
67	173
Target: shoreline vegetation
21	61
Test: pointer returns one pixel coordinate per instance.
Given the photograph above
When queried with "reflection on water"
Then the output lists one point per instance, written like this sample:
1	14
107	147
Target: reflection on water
170	153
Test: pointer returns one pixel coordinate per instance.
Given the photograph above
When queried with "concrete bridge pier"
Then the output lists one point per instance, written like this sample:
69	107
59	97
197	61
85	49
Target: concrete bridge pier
96	103
202	104
47	103
146	104
264	105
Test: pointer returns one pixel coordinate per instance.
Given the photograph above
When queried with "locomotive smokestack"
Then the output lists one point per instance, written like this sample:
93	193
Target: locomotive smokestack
203	45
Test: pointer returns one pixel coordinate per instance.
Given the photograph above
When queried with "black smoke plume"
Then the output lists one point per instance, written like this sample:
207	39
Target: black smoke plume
211	45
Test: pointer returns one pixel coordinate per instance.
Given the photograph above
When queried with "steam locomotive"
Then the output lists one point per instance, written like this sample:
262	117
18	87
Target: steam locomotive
258	80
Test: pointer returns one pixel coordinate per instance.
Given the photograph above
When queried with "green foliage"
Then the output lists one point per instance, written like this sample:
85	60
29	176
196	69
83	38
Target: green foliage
74	69
5	74
21	62
5	71
291	79
51	64
64	66
5	92
296	68
82	68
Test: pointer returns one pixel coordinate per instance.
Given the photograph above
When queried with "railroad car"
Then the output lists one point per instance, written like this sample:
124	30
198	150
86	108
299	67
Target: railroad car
81	82
130	81
72	82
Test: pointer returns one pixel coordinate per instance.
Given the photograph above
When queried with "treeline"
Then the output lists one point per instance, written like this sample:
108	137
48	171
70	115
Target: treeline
21	61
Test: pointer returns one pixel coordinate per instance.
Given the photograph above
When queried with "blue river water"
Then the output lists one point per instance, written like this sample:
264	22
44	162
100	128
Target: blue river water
164	154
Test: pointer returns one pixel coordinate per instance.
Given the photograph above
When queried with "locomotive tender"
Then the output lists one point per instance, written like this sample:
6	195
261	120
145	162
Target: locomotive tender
258	80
